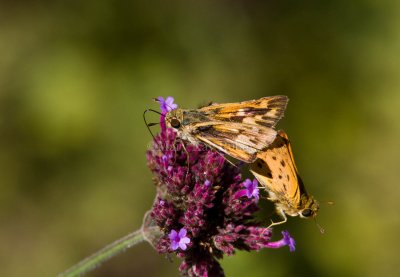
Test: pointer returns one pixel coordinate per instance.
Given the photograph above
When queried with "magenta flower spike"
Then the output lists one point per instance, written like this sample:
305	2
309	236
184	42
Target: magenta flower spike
203	206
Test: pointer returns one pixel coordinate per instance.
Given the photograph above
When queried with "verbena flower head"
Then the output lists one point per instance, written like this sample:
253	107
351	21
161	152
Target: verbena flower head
203	207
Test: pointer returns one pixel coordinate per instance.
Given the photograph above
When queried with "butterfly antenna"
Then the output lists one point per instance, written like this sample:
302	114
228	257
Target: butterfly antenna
321	230
330	203
148	125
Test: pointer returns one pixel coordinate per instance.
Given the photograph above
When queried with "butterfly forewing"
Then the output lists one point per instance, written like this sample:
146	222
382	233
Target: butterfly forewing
245	154
241	141
265	111
276	170
239	130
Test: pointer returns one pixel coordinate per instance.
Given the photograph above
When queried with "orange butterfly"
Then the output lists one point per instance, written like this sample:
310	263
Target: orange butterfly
276	170
239	130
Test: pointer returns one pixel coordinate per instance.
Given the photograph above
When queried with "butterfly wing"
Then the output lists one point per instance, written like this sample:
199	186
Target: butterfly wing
276	170
236	129
239	140
266	111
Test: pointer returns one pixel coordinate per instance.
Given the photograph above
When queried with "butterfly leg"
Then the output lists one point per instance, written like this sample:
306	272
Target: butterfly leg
187	160
174	146
282	214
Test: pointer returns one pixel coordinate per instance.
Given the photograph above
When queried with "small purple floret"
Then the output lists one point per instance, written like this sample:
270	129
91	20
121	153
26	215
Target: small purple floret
286	240
289	241
179	240
252	189
167	104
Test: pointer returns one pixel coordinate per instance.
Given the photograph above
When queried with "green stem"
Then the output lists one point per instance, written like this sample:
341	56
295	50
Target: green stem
105	254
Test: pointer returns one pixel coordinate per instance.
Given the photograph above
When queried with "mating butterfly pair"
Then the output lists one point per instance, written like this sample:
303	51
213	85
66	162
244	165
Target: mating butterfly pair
246	131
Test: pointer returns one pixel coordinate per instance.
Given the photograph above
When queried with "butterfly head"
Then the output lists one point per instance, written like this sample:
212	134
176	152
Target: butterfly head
174	118
310	209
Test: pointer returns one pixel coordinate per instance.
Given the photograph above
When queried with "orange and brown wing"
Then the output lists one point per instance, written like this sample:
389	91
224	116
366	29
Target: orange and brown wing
266	111
245	154
276	170
241	141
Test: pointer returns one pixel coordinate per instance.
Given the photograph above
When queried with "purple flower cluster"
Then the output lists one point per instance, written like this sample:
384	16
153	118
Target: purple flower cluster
203	207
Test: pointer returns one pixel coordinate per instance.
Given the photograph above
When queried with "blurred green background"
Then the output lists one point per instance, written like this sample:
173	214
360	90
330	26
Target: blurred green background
76	77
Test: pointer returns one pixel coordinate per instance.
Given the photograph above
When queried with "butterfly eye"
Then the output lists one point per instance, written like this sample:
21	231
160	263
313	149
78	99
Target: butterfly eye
306	213
175	123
